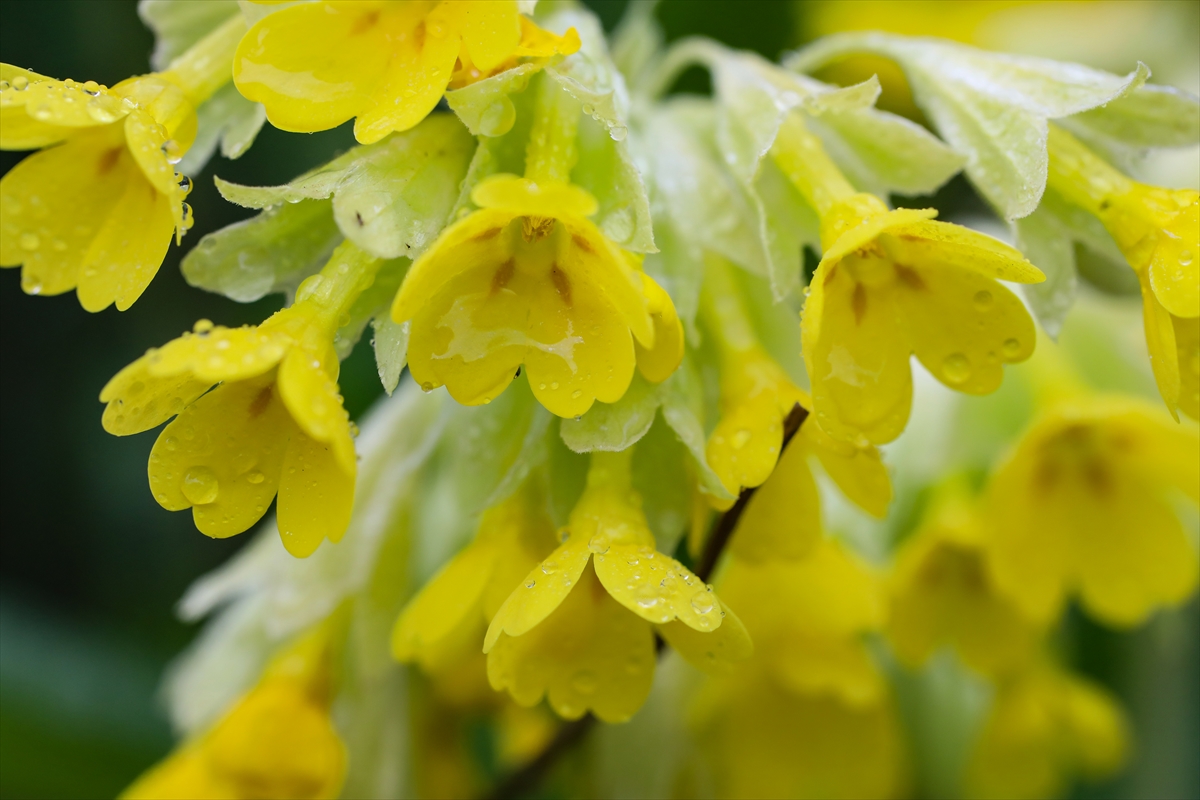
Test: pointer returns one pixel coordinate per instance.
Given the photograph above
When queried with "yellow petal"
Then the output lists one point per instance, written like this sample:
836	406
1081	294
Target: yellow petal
312	398
841	666
449	602
857	358
222	456
183	775
712	651
524	536
490	31
19	131
218	354
53	203
129	247
544	589
588	256
657	587
316	495
521	196
160	130
415	78
1099	728
1187	344
590	654
963	326
138	401
1175	266
929	241
539	43
783	518
658	362
858	471
316	65
1160	341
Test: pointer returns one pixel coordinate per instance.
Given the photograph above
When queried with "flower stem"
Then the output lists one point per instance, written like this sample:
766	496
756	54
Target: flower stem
722	310
802	157
551	153
334	290
208	64
1081	176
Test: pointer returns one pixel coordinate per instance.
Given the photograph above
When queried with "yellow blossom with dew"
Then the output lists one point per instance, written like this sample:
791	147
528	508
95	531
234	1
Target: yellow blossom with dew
96	208
579	629
277	740
448	617
942	594
1045	727
385	63
1158	231
529	280
895	283
1084	503
273	424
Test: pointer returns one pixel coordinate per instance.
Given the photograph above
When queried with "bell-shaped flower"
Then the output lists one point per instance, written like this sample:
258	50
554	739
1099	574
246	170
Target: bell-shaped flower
579	629
448	617
385	63
895	283
529	280
942	594
274	423
1158	231
1045	728
1085	503
96	208
278	740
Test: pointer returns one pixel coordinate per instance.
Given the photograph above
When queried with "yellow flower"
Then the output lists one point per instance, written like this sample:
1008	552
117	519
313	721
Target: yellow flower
580	627
446	620
277	741
95	209
1158	231
762	739
385	62
894	283
528	279
1046	726
808	618
941	593
1084	503
275	423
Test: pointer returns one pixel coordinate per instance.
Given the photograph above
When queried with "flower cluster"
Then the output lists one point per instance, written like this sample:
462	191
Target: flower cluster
665	441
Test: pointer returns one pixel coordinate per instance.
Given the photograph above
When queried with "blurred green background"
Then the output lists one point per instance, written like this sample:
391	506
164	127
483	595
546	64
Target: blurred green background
92	566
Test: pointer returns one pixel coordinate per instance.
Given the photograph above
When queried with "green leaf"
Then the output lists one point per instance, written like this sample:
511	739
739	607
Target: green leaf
991	107
616	426
391	350
637	41
664	485
179	24
391	198
272	252
1046	242
486	107
683	410
375	302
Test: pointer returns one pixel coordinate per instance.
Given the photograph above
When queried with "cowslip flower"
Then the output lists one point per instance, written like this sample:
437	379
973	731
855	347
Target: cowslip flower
895	283
96	208
1084	504
529	280
579	629
385	63
942	594
1045	727
448	617
278	740
1158	231
274	424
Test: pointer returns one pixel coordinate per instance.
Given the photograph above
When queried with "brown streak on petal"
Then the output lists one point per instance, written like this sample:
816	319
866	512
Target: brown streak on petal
503	275
909	277
419	35
260	402
562	283
829	275
488	234
365	23
582	243
858	302
108	160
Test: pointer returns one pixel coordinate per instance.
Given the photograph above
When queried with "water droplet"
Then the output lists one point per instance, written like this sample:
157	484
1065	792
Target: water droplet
549	568
588	109
91	87
171	151
702	602
29	241
20	83
184	182
1012	348
4	86
59	246
255	477
633	561
599	544
498	118
554	386
1185	257
564	534
647	601
171	443
199	486
186	218
618	133
202	326
585	682
529	584
956	368
983	300
739	439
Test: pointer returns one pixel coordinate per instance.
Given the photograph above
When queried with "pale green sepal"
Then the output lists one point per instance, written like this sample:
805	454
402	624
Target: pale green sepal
227	119
1150	116
272	252
683	409
775	322
614	426
1046	243
786	226
665	487
991	107
179	24
391	198
637	41
485	106
605	167
373	303
391	350
533	453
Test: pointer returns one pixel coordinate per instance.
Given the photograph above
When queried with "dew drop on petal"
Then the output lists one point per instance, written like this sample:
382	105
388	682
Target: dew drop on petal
530	584
739	439
29	241
200	486
983	300
1012	348
255	477
549	568
584	681
956	368
702	602
1185	257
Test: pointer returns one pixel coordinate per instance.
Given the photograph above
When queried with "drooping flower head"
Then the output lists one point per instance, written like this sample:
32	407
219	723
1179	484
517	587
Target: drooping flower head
278	740
1084	504
1158	231
942	593
274	423
529	280
96	208
384	62
579	629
